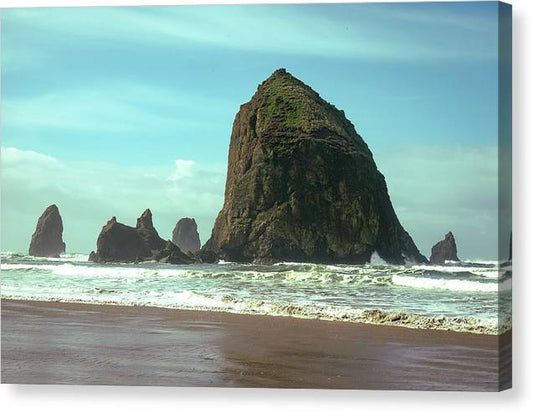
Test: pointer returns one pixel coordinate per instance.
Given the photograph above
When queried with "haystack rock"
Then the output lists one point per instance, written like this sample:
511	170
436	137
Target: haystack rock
47	240
444	250
185	235
121	243
302	185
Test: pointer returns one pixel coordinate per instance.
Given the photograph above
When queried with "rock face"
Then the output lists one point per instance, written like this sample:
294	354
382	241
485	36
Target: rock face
185	235
205	256
121	243
47	240
302	185
444	250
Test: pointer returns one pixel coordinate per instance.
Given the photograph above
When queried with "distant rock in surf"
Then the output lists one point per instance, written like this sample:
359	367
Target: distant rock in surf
444	250
121	243
185	235
205	256
47	240
302	185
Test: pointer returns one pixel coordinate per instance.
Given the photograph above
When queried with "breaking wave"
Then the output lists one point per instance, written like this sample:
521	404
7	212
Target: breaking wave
456	296
421	277
190	300
451	284
15	256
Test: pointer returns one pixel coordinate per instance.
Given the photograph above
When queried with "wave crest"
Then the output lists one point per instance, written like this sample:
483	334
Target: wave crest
450	284
190	300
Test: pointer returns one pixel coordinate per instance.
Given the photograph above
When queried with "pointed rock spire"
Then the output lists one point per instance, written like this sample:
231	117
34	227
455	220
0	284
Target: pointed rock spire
145	220
445	250
185	235
47	240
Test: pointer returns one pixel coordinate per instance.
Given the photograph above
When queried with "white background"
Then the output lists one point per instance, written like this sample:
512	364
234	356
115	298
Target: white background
55	399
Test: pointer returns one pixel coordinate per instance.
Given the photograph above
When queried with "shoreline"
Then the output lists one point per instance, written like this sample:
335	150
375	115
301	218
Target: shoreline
386	319
73	343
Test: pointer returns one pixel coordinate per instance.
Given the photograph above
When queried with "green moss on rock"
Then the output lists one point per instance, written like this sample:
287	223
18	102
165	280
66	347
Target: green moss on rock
302	185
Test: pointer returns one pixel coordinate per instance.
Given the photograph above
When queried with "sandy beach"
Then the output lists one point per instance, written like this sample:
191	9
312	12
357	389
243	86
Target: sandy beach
60	343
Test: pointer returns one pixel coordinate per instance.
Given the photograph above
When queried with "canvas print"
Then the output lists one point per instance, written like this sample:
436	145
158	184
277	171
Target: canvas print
287	196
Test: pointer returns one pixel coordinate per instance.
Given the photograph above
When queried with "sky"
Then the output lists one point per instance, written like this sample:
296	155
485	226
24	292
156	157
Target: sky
109	111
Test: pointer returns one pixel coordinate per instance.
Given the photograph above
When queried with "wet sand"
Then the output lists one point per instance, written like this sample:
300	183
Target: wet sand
60	343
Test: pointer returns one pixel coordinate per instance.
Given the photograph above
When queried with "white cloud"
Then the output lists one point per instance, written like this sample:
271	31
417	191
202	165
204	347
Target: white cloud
441	188
184	169
89	193
15	157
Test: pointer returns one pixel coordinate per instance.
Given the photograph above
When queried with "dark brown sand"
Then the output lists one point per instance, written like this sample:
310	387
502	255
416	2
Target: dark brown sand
58	343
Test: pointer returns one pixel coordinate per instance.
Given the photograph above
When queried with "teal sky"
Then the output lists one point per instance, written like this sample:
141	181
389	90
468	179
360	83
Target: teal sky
108	111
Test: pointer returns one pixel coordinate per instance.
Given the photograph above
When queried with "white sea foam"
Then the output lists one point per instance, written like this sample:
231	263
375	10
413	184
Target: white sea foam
191	300
481	271
74	270
373	293
450	284
414	277
483	262
25	267
375	259
72	257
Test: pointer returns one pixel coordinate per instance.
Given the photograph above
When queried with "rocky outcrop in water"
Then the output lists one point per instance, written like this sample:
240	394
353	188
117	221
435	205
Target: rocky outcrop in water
205	256
444	250
47	240
302	185
121	243
185	235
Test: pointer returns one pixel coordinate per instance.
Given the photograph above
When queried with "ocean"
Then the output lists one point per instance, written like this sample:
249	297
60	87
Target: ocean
459	296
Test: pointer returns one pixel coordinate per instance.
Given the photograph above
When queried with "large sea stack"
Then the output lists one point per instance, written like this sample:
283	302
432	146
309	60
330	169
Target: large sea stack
302	185
47	240
444	250
185	235
121	243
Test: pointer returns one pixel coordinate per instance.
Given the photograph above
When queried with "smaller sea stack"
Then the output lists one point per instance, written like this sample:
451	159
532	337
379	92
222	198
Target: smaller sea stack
121	243
185	235
444	250
47	240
